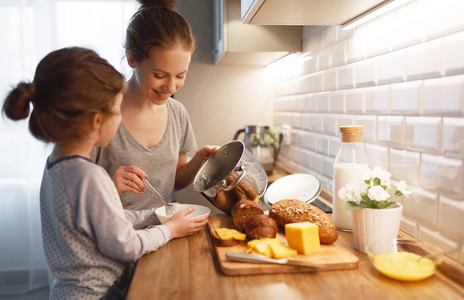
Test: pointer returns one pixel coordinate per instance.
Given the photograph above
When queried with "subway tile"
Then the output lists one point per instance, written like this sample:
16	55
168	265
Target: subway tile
337	102
409	226
405	165
323	102
330	124
316	162
300	103
366	73
330	80
390	131
305	158
370	127
316	122
405	98
299	138
325	59
330	35
316	82
450	219
377	156
355	49
424	134
327	166
442	175
334	146
311	65
344	120
392	67
426	60
354	101
453	137
338	54
346	77
311	103
377	100
444	96
422	206
436	238
310	141
305	121
305	84
372	37
323	144
454	60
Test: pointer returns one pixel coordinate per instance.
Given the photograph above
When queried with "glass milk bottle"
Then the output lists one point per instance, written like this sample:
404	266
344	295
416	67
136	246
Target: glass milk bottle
349	166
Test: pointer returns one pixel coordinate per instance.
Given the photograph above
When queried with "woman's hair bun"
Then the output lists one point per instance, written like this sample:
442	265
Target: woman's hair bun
16	105
168	4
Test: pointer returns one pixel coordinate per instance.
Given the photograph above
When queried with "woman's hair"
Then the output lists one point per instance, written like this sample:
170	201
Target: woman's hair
70	85
157	25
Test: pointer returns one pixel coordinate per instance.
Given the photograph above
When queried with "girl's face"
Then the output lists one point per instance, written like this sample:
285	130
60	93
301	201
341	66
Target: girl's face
162	73
110	123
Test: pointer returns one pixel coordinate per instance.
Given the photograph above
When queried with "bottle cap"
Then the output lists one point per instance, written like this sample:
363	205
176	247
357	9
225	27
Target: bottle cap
351	133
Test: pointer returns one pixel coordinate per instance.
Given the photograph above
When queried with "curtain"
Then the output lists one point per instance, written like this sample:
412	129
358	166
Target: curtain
29	29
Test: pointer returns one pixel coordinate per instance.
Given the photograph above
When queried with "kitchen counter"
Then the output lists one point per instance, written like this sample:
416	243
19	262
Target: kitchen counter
187	268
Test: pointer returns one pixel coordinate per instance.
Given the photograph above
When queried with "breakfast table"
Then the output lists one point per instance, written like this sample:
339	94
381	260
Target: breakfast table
188	268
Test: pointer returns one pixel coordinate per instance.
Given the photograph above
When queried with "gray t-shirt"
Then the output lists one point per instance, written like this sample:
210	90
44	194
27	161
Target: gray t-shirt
159	162
88	238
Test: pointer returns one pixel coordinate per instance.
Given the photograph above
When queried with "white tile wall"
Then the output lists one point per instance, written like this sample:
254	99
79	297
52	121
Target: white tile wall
401	77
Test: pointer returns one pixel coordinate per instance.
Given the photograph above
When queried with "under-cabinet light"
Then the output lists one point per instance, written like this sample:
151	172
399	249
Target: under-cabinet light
281	61
378	10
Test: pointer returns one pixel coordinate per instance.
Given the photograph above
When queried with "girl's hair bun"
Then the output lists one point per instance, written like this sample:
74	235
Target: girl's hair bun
168	4
16	105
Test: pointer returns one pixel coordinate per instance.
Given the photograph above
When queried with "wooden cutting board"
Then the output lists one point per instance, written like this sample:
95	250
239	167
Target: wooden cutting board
333	257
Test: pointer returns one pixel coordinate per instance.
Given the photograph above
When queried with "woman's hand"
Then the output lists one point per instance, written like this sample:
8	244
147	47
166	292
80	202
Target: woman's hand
128	179
181	224
206	152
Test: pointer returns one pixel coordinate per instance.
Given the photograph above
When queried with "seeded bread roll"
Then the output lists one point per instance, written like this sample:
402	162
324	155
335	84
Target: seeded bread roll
260	227
244	210
295	211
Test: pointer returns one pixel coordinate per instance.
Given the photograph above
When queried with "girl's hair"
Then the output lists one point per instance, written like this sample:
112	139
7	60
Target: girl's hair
70	85
157	25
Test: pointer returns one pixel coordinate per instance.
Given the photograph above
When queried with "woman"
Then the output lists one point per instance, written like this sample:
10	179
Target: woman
155	135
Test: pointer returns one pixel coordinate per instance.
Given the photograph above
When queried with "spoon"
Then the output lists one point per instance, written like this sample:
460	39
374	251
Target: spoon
439	253
171	209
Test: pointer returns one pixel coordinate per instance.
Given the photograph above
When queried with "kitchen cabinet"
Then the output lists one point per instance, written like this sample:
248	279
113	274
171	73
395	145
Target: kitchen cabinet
303	12
236	43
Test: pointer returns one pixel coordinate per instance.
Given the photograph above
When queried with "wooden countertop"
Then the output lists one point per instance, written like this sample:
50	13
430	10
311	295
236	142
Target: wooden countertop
187	268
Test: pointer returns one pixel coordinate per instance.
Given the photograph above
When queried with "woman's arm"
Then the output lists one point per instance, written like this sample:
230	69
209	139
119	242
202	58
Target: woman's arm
186	170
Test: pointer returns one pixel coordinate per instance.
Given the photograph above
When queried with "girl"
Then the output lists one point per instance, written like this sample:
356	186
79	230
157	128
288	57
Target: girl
155	134
89	242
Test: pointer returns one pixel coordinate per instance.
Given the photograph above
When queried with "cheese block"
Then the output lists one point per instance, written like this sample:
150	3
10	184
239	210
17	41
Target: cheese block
227	234
304	237
270	247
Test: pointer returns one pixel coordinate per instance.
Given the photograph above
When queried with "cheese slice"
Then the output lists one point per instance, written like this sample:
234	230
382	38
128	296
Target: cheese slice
303	237
281	251
227	234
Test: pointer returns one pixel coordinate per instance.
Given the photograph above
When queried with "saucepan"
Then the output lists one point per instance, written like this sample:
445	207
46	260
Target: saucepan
230	175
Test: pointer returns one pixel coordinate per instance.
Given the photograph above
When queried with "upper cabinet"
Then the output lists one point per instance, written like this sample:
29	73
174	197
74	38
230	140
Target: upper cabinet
303	12
236	43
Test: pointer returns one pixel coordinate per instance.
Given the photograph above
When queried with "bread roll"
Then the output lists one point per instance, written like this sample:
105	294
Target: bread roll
260	227
295	211
244	210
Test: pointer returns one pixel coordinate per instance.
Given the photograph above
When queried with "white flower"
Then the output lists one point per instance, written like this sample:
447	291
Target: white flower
378	193
401	186
351	192
381	174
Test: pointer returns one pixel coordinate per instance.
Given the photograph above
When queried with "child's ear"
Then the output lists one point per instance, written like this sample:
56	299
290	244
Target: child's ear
130	59
97	121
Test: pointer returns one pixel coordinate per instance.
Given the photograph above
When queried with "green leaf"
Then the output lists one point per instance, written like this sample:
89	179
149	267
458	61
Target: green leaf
376	181
352	205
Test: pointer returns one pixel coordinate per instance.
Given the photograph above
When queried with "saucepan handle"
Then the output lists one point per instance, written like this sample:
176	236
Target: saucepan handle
227	188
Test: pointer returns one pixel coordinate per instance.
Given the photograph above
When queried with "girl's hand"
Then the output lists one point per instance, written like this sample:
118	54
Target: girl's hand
181	224
128	179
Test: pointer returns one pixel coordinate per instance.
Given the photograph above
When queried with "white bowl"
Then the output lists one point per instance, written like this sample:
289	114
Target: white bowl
200	210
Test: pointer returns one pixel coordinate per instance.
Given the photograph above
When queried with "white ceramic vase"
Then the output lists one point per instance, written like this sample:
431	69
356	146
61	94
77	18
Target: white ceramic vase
375	224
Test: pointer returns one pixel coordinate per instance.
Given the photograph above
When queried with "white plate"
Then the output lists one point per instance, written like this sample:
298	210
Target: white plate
304	187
